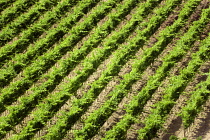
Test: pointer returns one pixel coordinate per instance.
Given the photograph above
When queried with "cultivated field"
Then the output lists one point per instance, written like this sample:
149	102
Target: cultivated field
104	69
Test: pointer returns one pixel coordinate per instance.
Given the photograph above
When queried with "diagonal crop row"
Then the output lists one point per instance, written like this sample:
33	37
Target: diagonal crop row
28	36
72	86
18	8
138	102
156	119
18	112
49	106
98	117
22	60
23	21
32	73
5	3
98	85
201	94
193	107
88	68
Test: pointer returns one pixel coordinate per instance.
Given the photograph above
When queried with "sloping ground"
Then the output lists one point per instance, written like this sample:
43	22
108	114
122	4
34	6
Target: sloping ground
123	69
